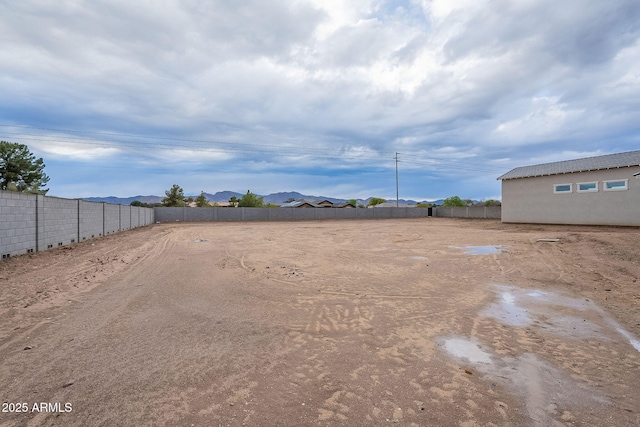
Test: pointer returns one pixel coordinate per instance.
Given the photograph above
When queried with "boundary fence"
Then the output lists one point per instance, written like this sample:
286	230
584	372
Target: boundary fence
31	223
484	212
186	214
282	214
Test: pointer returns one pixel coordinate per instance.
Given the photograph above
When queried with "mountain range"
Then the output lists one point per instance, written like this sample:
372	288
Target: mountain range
224	196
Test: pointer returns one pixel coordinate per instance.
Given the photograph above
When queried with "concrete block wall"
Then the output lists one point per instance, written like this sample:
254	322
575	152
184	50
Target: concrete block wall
60	222
17	224
198	214
281	214
494	212
186	214
485	212
111	218
125	217
386	212
417	212
135	216
145	216
365	213
255	214
31	223
163	214
91	220
346	213
228	214
305	213
150	216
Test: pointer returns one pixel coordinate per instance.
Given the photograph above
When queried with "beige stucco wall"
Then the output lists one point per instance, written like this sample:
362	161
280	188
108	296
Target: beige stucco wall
532	200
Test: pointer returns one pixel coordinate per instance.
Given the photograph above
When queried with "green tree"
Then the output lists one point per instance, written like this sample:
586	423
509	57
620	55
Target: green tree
453	201
201	201
492	202
250	200
175	197
233	201
20	170
376	201
140	204
353	202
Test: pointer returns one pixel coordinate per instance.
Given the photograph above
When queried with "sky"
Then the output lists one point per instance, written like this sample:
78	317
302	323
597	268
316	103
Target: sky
324	97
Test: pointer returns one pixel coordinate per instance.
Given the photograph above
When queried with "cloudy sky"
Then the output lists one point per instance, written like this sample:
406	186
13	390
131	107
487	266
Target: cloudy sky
317	96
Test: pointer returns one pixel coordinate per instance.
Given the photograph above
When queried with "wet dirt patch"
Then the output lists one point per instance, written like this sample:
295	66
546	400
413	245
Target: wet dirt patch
481	250
555	314
545	390
466	349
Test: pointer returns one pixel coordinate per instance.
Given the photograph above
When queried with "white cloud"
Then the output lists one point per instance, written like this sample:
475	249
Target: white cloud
73	151
340	14
440	9
542	123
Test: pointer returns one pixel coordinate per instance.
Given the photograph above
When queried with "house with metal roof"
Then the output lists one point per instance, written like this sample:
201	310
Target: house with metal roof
308	203
602	190
315	203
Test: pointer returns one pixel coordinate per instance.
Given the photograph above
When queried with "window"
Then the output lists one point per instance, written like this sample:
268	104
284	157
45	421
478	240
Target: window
562	188
586	187
622	184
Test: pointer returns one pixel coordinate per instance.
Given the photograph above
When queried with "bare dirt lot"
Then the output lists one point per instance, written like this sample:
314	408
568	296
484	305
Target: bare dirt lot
358	323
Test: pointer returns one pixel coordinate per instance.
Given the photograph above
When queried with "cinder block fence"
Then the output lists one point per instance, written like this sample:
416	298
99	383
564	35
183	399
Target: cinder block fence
478	212
186	214
32	223
282	214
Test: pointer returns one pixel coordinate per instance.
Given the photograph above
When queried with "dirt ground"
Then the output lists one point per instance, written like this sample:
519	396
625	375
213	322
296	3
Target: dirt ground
332	323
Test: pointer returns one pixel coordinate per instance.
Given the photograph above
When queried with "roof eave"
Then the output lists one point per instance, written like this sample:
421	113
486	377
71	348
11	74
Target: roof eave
502	177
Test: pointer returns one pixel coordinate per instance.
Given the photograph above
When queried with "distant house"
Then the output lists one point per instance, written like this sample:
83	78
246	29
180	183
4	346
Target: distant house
392	205
314	203
602	190
343	205
212	204
299	204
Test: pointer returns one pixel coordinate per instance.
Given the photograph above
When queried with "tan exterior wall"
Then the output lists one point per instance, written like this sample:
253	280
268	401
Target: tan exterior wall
532	200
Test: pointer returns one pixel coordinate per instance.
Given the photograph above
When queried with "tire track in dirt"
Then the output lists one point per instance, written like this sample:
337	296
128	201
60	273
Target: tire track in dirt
74	338
34	295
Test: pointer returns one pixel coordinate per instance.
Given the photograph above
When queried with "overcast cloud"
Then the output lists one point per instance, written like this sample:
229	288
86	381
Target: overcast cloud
316	96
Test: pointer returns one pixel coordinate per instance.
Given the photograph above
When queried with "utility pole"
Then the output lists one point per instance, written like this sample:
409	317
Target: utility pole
397	203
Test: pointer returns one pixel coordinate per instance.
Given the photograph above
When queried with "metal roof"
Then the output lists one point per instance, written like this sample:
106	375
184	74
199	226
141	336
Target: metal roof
609	161
316	203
